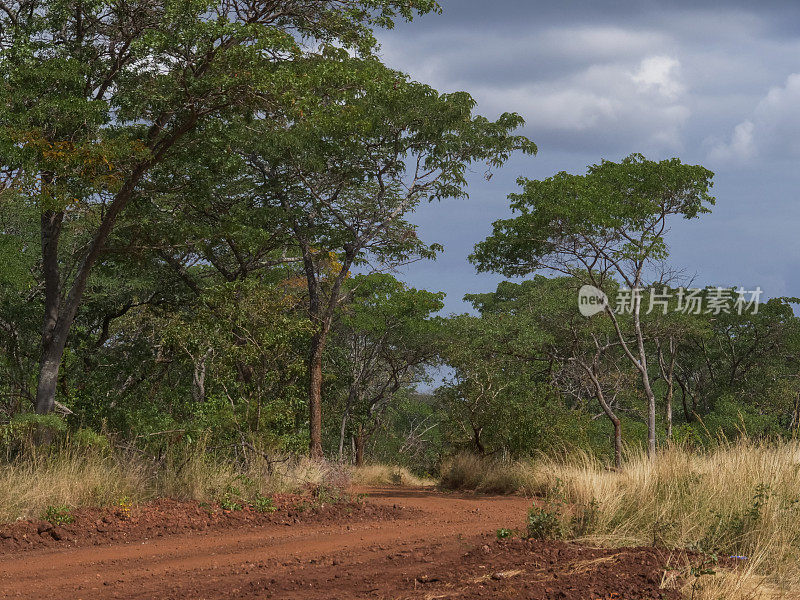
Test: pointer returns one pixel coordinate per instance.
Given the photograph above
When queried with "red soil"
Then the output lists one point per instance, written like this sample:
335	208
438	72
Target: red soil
398	544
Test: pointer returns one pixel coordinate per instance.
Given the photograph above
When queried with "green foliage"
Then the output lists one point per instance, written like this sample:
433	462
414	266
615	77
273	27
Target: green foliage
263	504
58	515
544	523
503	533
730	533
616	210
89	439
231	499
27	431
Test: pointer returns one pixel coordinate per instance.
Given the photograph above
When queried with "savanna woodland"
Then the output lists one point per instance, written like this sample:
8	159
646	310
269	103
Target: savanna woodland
204	208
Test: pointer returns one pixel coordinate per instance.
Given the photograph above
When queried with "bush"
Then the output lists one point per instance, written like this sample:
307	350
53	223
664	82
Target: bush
383	475
470	472
544	523
58	515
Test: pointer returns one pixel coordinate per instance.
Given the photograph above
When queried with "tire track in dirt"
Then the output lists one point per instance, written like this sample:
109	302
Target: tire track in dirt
251	563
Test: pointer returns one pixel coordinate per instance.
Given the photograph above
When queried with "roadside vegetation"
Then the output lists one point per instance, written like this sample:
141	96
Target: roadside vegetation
736	503
70	474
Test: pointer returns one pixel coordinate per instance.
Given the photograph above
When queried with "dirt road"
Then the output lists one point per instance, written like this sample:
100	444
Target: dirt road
445	547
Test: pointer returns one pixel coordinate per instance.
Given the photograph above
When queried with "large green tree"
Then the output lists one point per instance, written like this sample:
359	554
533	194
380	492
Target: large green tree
343	176
96	95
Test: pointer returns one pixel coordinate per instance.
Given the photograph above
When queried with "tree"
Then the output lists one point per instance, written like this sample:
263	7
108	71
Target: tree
608	223
344	176
540	326
386	333
132	81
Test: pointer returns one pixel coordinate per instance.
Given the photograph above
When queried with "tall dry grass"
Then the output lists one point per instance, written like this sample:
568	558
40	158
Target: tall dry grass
738	499
76	476
383	475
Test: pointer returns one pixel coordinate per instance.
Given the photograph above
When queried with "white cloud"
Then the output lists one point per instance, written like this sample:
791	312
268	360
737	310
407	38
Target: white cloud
660	74
617	106
740	147
772	131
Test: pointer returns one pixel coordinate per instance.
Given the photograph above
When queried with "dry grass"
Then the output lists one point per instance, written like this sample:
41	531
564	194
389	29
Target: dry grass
69	478
738	499
77	477
470	472
381	475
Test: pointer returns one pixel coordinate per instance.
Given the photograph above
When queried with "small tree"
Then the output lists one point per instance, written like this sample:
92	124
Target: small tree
608	223
386	334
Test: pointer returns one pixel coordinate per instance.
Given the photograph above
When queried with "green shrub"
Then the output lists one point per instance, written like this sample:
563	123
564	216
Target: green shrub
58	515
504	533
264	505
230	499
544	523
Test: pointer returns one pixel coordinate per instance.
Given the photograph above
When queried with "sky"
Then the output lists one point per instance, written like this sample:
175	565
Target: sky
713	83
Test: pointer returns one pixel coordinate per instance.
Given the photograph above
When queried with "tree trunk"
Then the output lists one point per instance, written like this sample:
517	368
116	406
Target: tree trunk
199	377
617	443
315	395
687	414
476	437
601	398
342	431
48	378
360	448
669	411
651	418
50	360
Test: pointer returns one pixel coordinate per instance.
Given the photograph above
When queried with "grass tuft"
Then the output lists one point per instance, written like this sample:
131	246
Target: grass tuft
385	475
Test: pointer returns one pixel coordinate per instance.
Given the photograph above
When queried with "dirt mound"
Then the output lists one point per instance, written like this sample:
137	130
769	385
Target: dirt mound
533	569
511	569
92	527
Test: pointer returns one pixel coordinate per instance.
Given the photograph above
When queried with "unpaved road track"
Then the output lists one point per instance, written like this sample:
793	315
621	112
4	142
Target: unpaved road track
342	560
442	546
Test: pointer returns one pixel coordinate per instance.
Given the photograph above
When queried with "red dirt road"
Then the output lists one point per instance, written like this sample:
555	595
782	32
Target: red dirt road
444	548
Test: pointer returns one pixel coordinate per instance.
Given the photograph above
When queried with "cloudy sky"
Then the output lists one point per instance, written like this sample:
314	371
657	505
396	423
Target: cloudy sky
714	83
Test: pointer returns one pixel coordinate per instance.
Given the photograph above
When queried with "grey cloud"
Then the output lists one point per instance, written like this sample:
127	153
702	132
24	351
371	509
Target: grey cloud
773	130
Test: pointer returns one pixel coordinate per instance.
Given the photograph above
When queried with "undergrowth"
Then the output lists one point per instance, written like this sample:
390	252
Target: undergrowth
739	500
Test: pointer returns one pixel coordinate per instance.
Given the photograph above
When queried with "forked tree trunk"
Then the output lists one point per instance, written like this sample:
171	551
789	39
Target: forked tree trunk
640	362
668	372
615	421
648	390
60	313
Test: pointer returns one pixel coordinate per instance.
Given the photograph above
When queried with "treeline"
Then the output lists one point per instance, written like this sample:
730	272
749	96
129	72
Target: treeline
532	373
201	206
